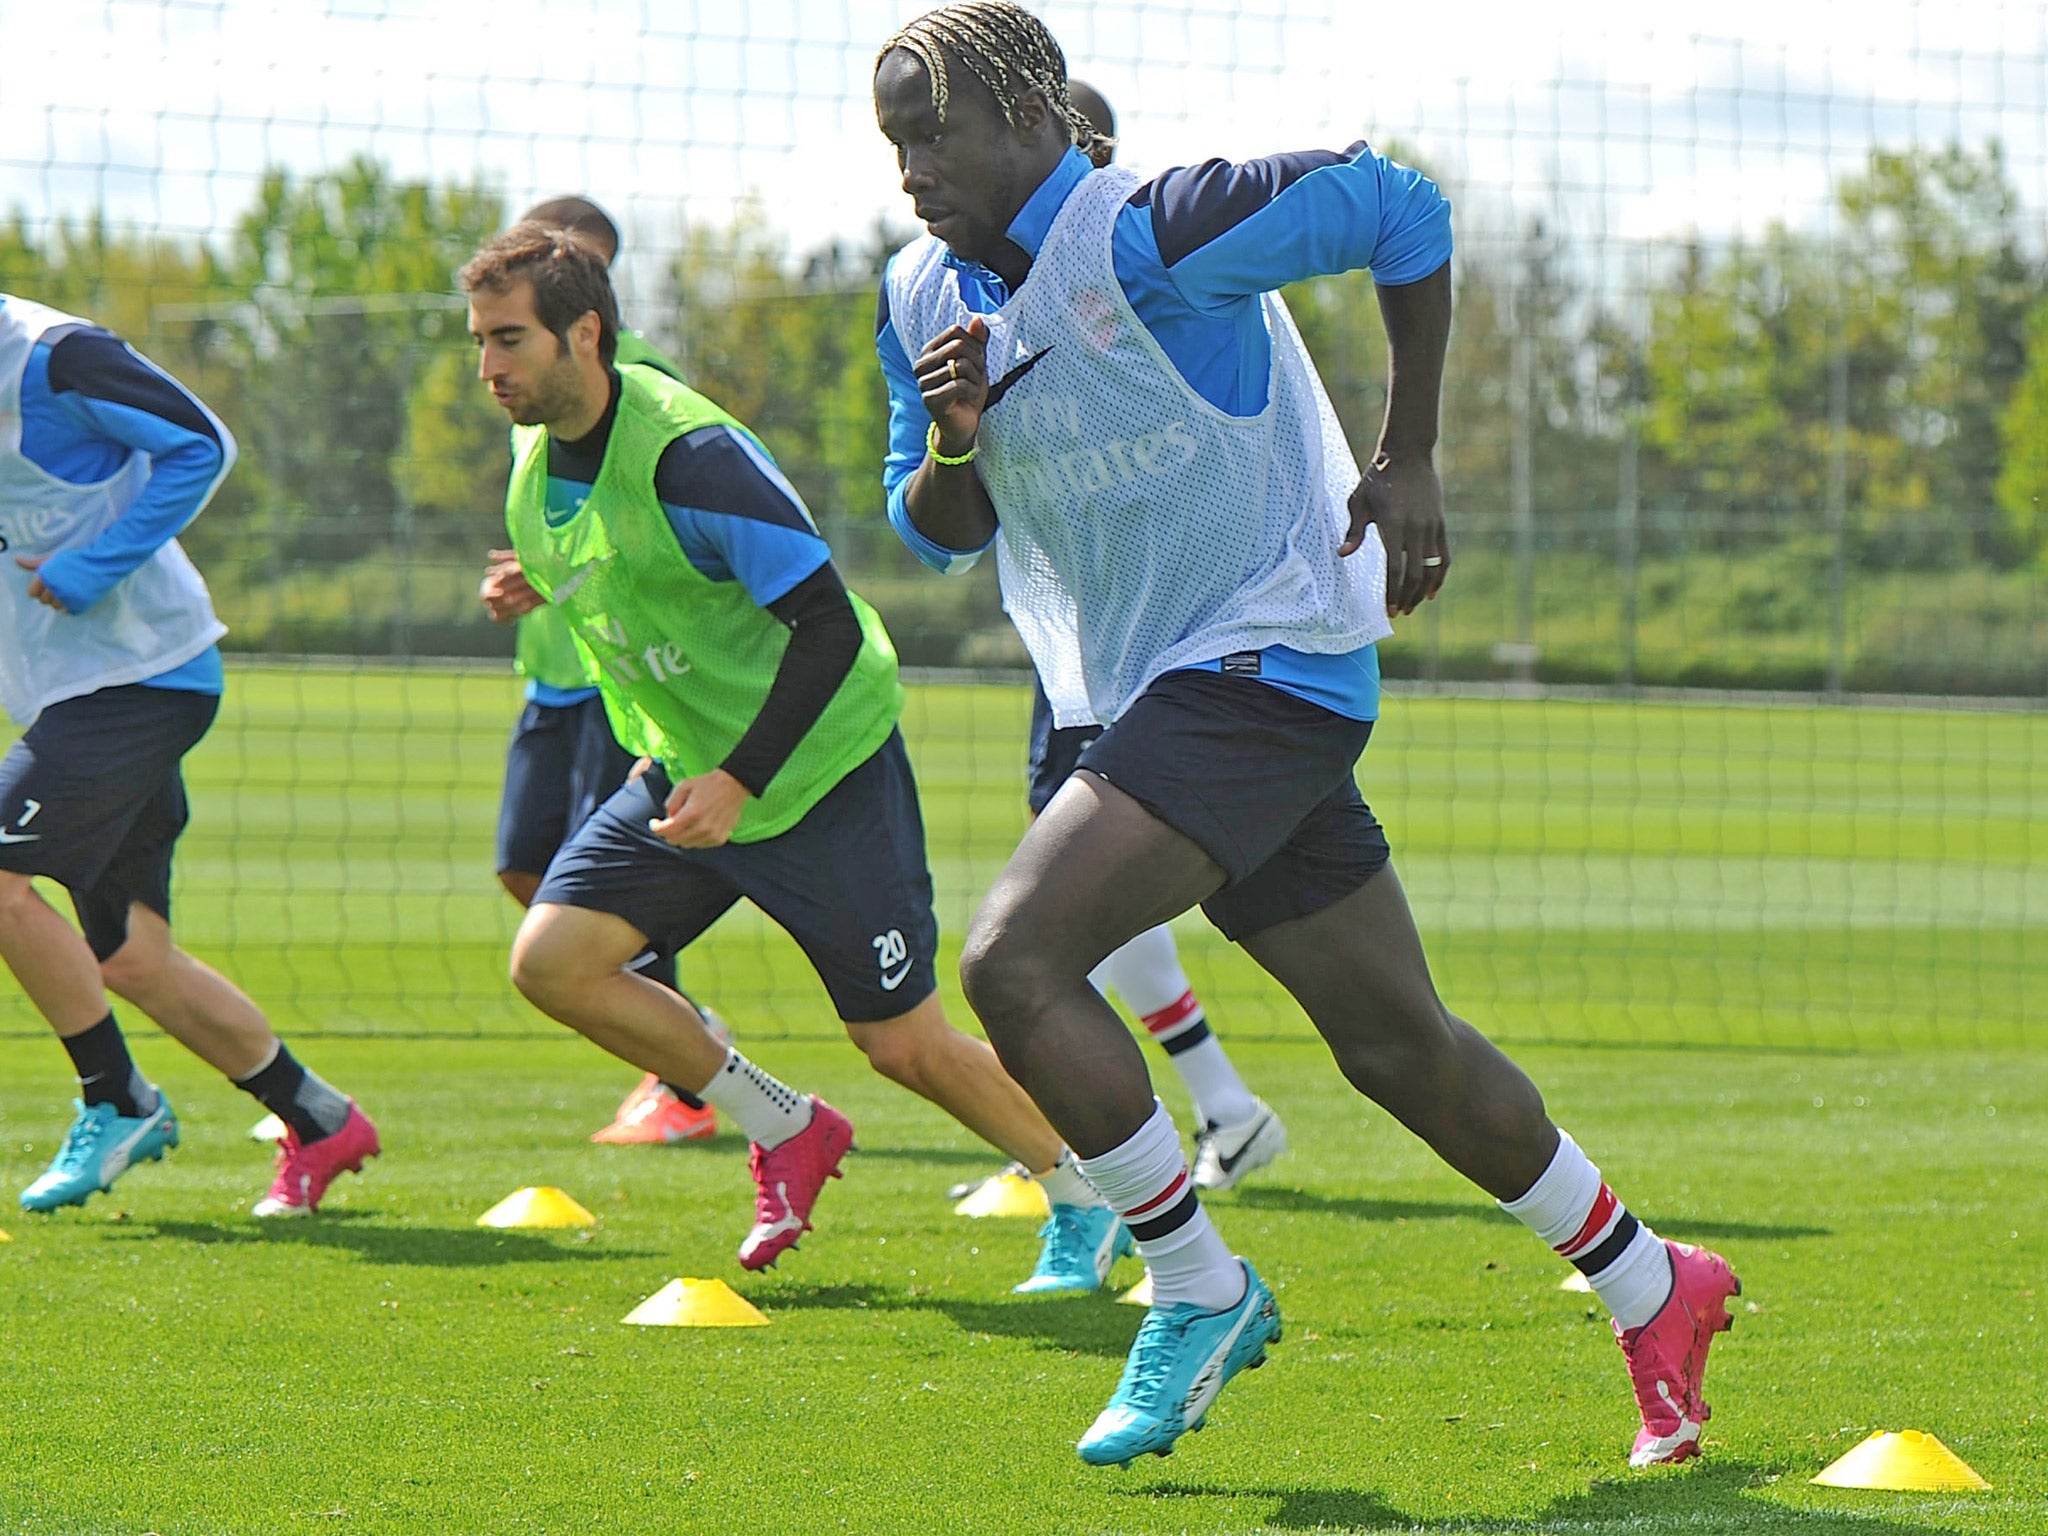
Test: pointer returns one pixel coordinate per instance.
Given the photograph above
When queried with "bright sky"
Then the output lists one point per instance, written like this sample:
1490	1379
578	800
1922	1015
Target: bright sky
1624	119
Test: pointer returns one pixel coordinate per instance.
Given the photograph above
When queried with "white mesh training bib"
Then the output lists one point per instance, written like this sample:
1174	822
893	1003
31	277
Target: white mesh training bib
1141	528
155	618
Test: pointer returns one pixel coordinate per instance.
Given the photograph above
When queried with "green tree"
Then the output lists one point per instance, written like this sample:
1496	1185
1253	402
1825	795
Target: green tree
351	315
789	348
1919	300
2023	437
1937	270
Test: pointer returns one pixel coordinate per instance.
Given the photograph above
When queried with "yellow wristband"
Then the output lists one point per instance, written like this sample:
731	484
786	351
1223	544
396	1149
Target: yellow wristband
931	447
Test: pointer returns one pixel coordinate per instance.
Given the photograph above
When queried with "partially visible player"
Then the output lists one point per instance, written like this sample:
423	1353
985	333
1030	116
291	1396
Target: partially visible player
563	762
108	656
1097	376
1237	1131
729	653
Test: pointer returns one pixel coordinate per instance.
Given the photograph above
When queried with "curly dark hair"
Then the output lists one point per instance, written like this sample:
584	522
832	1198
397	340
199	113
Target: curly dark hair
569	279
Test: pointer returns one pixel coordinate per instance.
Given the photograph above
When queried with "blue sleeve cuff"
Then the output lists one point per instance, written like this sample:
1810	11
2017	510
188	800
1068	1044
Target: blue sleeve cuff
947	562
67	575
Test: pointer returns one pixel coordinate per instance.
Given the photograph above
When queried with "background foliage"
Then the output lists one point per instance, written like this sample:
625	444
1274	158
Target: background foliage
1803	460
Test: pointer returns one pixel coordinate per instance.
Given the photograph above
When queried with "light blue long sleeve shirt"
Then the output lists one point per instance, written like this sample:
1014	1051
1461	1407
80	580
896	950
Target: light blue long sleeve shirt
1194	250
88	401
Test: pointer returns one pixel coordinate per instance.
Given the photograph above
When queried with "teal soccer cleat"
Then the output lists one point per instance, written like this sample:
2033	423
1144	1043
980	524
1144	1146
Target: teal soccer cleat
1180	1360
100	1146
1081	1244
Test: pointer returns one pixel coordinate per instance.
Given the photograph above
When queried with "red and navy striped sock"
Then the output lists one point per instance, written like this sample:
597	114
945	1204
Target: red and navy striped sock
1571	1208
1146	1181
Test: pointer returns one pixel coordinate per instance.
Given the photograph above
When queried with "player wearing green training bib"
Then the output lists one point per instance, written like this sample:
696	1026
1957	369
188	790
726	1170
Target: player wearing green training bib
563	761
729	653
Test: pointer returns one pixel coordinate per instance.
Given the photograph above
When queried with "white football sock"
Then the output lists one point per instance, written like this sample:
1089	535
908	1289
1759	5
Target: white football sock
1636	1285
1066	1184
768	1110
1147	972
1146	1182
1571	1209
1147	975
1220	1095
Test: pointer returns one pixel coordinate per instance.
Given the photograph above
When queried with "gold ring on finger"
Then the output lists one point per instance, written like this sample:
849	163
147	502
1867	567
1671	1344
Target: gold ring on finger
1432	560
952	369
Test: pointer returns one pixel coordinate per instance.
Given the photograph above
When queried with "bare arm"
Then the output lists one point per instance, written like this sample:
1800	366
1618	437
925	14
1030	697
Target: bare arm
1400	491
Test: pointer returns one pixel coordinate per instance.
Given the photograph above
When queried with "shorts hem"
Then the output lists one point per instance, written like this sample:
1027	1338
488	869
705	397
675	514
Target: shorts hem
897	1006
1250	925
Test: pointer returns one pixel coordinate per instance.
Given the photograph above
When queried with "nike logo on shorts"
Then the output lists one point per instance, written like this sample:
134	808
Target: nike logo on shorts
30	810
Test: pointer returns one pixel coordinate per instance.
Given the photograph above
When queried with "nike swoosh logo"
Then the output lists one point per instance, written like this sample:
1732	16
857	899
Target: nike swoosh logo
577	577
891	983
20	837
1001	387
1230	1163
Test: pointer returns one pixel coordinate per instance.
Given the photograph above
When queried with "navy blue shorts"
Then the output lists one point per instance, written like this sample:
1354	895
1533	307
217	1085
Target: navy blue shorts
849	882
92	798
1262	780
562	765
1054	750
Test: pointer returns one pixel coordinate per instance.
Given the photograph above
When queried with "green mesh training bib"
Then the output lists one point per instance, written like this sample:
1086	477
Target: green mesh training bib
684	662
545	651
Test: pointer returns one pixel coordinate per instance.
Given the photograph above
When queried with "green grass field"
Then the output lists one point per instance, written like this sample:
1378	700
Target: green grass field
171	1366
1602	872
1846	905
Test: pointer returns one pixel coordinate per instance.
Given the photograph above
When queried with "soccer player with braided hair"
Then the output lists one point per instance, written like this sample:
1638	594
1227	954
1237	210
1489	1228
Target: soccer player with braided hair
1238	1132
1096	375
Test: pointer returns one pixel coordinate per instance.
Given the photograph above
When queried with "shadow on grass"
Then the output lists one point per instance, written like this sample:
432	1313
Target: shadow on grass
1081	1325
1684	1229
1707	1497
434	1247
986	1159
1359	1208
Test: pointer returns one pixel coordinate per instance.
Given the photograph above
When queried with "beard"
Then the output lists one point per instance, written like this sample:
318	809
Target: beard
554	395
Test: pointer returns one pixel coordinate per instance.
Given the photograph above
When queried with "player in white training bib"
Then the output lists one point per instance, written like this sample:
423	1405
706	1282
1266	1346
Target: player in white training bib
108	657
1237	1132
1096	374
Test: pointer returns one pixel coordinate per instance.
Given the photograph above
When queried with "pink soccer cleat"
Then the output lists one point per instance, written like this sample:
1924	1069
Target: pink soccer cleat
1667	1356
305	1170
787	1181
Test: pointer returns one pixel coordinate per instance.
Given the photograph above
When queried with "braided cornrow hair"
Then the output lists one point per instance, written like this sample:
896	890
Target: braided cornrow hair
1009	50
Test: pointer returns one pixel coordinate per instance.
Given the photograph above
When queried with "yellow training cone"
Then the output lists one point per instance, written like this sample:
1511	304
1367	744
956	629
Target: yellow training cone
1139	1295
540	1206
1008	1194
1575	1281
696	1304
1909	1461
269	1128
4	1238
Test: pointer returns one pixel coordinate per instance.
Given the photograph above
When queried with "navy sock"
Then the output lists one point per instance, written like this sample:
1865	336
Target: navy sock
107	1074
312	1108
